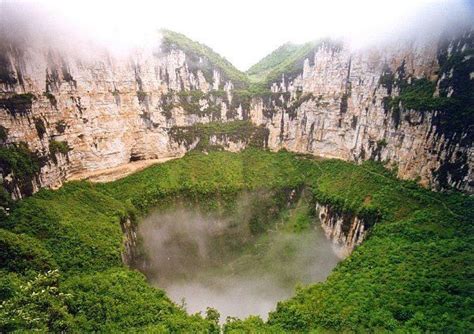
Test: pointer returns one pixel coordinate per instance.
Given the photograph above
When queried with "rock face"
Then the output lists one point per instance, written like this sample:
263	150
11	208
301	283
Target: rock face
109	111
80	113
130	241
345	230
338	108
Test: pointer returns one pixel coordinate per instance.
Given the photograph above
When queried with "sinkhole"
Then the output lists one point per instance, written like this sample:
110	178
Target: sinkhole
238	253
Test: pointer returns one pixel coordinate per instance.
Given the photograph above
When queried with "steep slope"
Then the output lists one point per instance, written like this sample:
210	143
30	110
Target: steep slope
203	58
406	103
260	70
411	274
81	112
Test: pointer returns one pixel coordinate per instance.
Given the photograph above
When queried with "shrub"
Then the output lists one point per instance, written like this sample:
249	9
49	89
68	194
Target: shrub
19	160
18	104
243	131
40	127
61	126
39	305
58	147
3	133
20	253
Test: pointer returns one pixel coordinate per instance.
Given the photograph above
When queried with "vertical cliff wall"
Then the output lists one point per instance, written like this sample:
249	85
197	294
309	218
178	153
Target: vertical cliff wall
76	113
345	230
406	104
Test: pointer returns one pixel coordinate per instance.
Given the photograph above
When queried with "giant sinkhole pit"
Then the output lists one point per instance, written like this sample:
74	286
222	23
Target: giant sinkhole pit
328	189
240	258
256	235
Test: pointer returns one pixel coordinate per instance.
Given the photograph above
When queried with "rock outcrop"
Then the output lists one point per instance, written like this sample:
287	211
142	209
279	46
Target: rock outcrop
345	230
339	107
107	111
78	113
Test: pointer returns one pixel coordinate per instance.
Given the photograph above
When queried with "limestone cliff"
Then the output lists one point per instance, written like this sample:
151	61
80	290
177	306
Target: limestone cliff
103	111
344	229
81	113
346	105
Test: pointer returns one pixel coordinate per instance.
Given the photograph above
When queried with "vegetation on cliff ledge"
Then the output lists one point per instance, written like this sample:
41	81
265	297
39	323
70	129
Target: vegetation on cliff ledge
18	167
286	60
58	147
18	104
172	40
214	135
411	274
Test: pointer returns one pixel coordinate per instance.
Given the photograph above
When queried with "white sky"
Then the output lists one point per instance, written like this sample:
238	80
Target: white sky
244	31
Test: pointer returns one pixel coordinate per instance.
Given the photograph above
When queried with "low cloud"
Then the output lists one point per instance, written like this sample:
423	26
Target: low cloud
213	260
244	31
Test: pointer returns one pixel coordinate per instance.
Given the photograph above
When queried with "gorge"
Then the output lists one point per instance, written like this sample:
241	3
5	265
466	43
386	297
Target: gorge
350	169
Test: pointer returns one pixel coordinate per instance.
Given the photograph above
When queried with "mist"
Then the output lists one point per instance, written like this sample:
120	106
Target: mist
214	260
242	31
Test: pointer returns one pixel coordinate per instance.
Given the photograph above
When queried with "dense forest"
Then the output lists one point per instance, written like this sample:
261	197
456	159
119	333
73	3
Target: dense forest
62	268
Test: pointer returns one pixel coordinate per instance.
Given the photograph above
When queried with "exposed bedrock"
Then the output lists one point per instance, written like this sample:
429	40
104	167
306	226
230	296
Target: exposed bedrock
346	105
81	113
345	230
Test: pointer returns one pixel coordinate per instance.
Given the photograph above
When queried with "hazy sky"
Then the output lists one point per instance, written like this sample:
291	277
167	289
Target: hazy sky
246	30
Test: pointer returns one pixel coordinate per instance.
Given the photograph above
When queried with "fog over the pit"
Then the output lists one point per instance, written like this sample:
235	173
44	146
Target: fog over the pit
243	31
210	260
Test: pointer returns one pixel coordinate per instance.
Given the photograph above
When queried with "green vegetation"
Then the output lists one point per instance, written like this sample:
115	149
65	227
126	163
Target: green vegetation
382	143
190	102
21	253
37	305
3	133
419	96
412	274
40	127
455	90
61	251
18	104
448	102
261	69
119	300
17	159
236	131
58	147
287	59
196	50
285	62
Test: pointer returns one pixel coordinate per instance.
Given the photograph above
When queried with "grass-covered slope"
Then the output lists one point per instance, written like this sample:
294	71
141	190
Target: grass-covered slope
288	59
259	70
283	61
171	40
413	273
